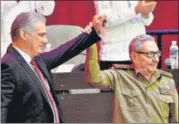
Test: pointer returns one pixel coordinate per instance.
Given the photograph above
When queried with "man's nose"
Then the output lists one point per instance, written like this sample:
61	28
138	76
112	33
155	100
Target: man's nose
156	58
45	40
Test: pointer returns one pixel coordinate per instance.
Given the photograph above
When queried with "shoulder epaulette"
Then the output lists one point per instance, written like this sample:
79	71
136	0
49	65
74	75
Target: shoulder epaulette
165	73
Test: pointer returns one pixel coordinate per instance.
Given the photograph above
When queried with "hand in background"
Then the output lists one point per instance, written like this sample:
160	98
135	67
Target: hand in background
145	7
149	0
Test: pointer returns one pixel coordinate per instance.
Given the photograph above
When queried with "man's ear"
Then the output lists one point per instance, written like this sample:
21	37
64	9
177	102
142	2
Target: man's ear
133	56
23	34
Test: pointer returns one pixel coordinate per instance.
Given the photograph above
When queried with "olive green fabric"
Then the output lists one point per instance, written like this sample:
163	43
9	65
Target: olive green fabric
136	100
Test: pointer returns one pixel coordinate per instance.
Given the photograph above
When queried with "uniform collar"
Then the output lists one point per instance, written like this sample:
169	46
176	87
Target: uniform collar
156	75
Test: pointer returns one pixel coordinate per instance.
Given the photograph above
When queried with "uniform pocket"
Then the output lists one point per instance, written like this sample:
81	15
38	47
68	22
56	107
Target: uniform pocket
164	100
130	99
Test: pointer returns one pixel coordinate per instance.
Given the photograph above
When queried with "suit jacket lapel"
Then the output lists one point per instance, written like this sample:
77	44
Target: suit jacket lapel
46	72
28	69
43	69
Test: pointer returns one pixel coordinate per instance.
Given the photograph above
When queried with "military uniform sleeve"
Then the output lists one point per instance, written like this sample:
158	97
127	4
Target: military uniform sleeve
174	108
101	79
173	112
7	91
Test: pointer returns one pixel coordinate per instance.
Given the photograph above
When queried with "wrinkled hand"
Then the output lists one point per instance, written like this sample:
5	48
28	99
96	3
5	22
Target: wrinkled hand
145	7
99	22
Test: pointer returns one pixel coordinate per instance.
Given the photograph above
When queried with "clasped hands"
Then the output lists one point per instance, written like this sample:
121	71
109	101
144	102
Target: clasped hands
98	22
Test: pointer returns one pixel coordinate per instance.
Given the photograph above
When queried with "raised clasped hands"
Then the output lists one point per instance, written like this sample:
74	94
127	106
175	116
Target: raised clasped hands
98	22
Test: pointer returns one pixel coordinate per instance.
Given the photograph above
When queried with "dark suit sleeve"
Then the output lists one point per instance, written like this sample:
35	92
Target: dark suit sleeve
7	91
70	49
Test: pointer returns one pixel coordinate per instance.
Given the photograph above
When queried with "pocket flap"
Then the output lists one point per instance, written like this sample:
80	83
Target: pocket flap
166	98
129	92
166	91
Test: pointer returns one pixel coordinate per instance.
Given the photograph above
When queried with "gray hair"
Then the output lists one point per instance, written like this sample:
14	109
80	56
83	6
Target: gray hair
136	43
25	21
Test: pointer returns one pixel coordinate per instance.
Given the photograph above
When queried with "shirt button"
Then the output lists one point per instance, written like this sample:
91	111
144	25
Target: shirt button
131	102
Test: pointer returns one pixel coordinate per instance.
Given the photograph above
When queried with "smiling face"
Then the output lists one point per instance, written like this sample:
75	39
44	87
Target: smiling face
36	40
146	60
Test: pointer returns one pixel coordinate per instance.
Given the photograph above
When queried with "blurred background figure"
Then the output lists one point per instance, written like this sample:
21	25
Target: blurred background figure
67	32
10	9
125	20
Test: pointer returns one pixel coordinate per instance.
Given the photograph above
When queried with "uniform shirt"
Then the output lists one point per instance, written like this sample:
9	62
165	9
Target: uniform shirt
123	24
136	100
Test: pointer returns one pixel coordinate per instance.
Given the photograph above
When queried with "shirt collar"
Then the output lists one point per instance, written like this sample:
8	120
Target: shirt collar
156	74
136	71
26	57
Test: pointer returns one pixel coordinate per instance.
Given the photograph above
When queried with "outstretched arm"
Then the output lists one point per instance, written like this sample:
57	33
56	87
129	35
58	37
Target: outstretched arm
73	47
70	49
101	79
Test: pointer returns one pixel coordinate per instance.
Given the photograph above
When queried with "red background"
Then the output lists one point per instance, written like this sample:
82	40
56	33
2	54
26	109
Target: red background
80	13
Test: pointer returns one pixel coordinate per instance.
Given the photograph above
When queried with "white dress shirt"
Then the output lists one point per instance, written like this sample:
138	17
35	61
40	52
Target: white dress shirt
10	9
122	25
28	59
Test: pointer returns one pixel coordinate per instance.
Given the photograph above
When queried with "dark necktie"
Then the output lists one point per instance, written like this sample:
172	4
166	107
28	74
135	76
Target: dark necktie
47	90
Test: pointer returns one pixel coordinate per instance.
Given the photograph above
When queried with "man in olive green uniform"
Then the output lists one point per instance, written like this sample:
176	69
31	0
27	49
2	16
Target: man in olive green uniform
142	93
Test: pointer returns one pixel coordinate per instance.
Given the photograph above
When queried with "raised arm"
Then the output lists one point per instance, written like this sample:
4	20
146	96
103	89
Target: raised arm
101	79
70	49
73	47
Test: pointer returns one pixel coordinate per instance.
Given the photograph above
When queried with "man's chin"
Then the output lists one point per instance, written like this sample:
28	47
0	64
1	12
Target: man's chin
153	70
41	51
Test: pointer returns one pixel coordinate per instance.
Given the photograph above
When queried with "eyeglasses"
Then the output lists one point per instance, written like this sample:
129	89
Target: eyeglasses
150	54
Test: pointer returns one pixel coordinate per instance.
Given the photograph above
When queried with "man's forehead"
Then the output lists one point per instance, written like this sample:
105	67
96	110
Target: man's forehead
39	24
40	27
150	45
